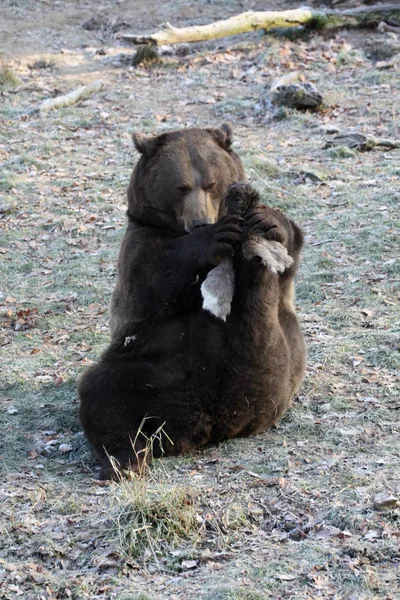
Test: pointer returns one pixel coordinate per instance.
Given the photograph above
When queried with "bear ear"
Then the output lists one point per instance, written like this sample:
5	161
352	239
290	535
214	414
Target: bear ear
223	135
227	129
147	144
142	142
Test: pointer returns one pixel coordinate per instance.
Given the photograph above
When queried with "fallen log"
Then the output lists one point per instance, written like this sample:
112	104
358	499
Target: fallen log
359	141
70	98
267	20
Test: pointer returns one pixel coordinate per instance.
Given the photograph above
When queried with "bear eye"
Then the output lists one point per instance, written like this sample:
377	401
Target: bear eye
184	189
210	186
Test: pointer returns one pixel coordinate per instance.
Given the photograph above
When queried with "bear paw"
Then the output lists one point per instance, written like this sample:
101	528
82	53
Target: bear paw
272	254
266	222
241	198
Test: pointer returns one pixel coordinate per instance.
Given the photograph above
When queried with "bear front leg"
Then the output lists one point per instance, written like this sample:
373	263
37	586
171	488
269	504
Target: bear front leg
182	266
257	285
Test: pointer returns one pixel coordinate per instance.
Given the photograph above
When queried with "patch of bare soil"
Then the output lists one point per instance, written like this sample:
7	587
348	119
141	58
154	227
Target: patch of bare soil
307	510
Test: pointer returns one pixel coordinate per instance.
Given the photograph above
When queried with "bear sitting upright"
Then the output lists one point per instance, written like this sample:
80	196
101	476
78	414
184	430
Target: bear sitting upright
171	363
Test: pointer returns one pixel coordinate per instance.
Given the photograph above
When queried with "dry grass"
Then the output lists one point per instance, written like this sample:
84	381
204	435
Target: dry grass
8	78
151	517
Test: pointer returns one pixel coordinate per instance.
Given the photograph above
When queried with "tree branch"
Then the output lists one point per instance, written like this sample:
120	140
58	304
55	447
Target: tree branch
252	20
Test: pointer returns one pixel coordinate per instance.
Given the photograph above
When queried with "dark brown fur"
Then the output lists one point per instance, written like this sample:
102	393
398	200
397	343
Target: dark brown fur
171	363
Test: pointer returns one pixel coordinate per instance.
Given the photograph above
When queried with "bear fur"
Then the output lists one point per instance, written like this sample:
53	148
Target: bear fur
170	363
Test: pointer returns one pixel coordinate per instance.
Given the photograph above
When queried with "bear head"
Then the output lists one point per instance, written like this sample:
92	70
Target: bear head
182	176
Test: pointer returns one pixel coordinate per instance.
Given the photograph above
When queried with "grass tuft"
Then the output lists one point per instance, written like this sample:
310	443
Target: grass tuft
145	55
148	513
342	152
133	596
258	166
318	21
8	79
282	113
349	57
237	593
150	516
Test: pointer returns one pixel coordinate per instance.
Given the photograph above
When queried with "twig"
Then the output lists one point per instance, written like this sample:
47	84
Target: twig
24	86
323	242
70	98
276	189
387	143
332	205
386	27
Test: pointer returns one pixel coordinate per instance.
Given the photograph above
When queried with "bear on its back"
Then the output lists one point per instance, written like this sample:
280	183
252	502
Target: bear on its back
170	362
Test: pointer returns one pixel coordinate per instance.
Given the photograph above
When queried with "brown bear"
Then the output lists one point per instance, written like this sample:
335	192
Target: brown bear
170	363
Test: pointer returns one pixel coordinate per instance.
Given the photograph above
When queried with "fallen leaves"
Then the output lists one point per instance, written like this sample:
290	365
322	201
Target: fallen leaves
22	319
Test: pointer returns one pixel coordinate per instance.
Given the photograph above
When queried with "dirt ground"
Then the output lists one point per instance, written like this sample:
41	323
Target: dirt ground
294	513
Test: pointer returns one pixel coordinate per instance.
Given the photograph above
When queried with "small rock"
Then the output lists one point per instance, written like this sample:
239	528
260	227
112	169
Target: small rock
307	177
385	501
65	448
189	564
391	63
42	64
385	48
12	410
357	141
297	95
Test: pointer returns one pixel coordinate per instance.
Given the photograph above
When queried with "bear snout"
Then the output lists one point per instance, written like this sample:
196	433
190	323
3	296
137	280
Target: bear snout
199	209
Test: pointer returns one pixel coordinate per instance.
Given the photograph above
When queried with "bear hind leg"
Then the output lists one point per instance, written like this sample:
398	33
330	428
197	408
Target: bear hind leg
133	458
